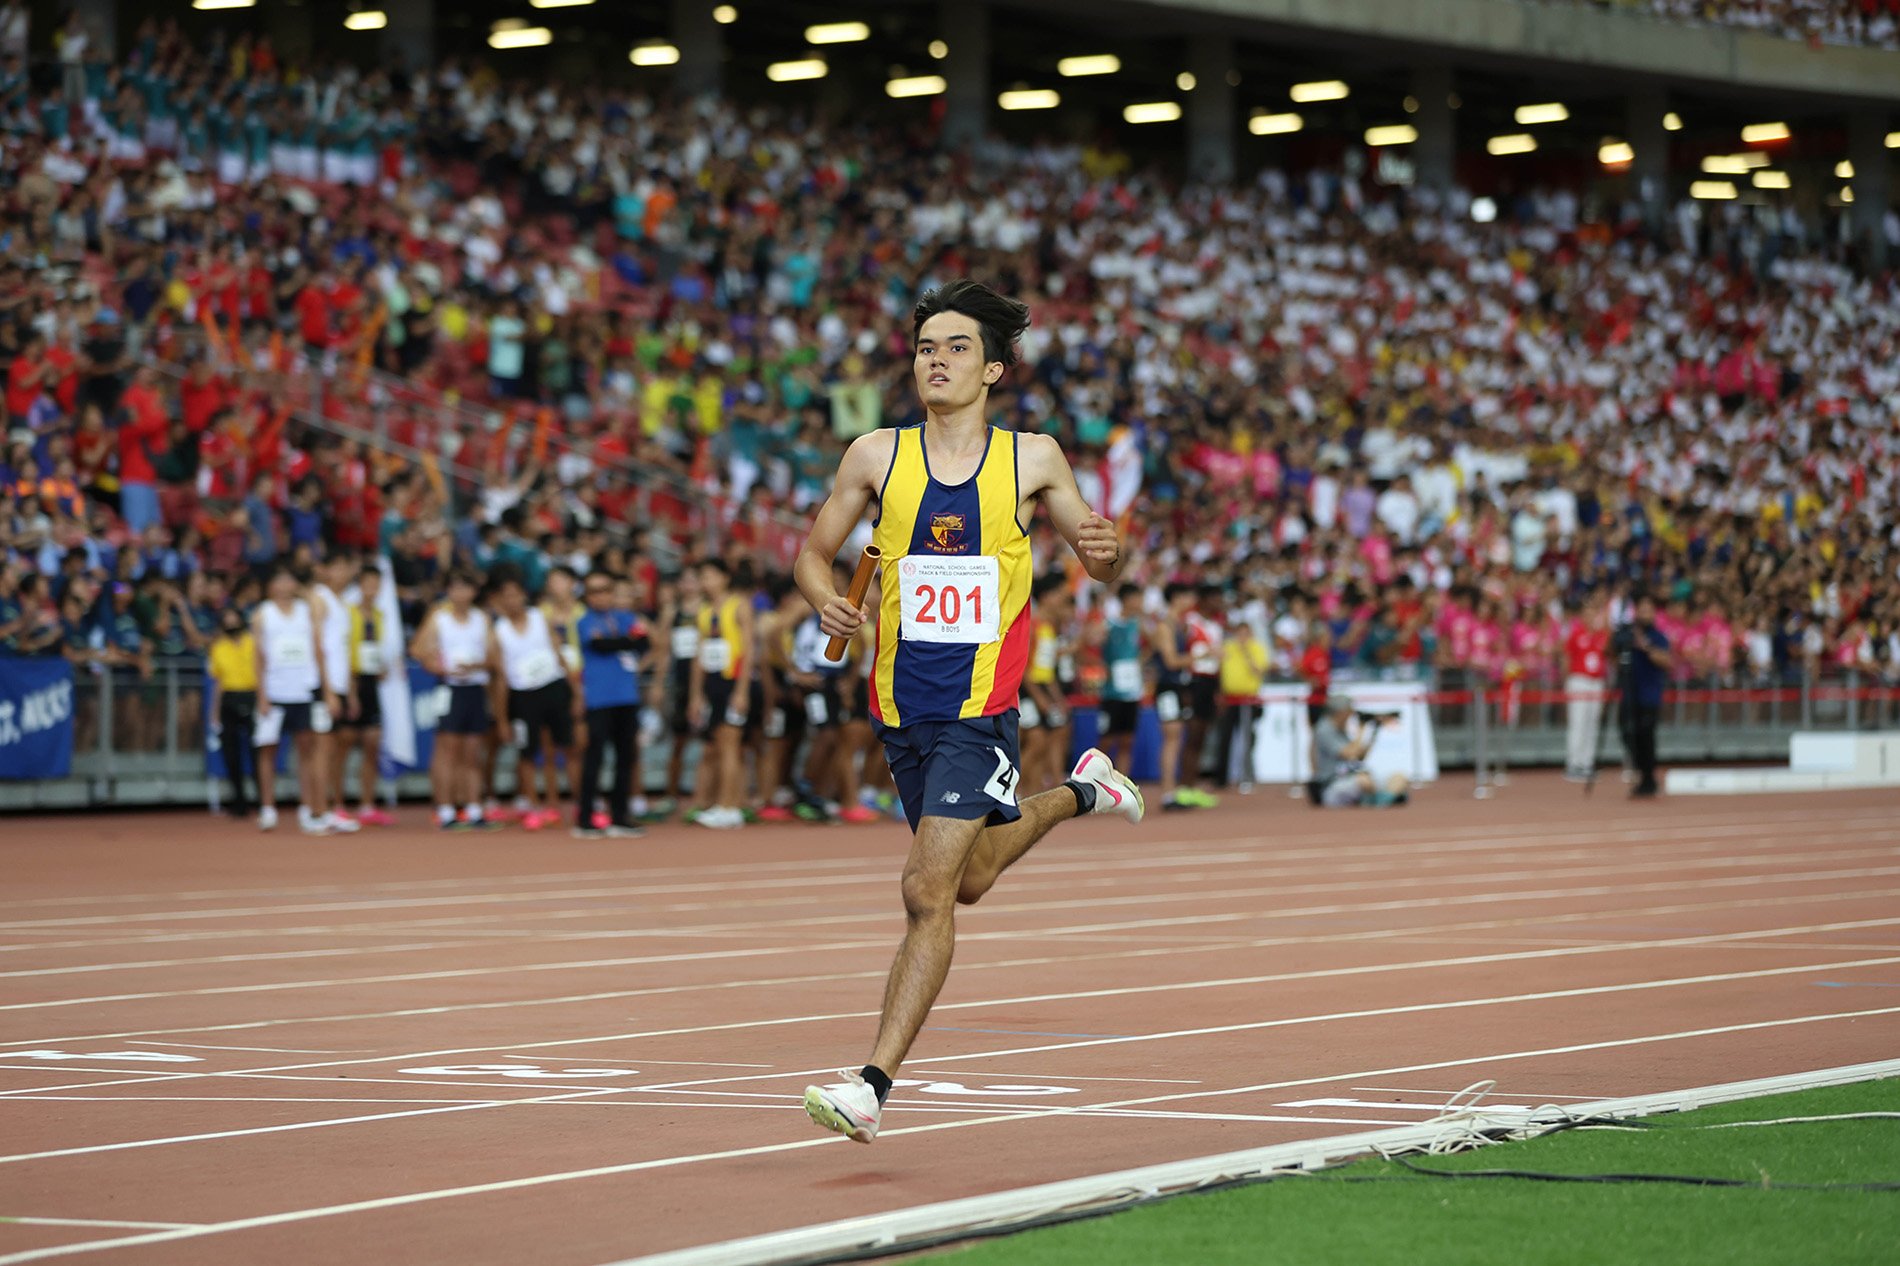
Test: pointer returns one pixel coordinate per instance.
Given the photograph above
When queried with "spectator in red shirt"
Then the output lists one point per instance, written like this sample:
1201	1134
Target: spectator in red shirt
26	379
62	376
1316	666
313	315
1586	656
141	438
201	396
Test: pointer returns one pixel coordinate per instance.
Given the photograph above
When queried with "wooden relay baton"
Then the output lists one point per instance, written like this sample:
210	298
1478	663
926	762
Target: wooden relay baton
860	584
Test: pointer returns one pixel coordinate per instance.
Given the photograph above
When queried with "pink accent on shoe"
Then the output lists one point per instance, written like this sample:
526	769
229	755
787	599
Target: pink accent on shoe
858	814
776	813
602	822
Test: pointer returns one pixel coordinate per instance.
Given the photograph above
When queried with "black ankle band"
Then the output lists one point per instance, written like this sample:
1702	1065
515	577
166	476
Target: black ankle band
1084	796
878	1080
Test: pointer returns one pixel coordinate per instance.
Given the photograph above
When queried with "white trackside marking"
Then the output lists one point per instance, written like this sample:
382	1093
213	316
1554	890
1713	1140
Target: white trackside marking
605	1171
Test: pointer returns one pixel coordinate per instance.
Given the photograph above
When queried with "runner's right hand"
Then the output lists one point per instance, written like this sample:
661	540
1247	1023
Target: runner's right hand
839	618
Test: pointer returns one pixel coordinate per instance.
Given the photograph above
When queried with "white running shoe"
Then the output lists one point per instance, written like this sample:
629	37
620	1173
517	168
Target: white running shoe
267	818
723	818
340	824
1115	792
849	1107
314	826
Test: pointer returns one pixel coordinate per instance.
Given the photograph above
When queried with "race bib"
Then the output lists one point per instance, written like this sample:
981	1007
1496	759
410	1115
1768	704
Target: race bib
369	659
715	655
1168	706
1029	716
540	665
269	729
685	642
291	652
817	711
949	599
1046	655
1124	675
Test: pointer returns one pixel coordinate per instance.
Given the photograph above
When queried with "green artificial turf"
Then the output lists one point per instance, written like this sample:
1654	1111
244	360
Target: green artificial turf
1376	1212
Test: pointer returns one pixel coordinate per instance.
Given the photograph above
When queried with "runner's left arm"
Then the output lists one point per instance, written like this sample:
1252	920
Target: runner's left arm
1046	474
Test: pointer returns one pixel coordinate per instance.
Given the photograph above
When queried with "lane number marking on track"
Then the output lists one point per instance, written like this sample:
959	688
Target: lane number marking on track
527	1072
953	1089
146	1057
1381	1103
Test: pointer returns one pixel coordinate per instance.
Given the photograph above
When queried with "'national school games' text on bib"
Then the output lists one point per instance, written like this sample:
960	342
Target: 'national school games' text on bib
954	599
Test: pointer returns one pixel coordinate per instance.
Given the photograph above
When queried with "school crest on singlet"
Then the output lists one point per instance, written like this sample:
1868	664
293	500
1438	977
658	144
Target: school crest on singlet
953	629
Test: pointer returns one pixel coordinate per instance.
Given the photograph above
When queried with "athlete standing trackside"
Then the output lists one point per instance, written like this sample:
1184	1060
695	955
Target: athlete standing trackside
953	636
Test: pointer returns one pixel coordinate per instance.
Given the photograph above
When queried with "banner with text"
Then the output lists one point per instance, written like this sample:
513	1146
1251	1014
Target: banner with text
36	718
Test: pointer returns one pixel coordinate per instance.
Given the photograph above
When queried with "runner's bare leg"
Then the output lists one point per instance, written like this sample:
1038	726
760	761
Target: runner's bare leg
936	878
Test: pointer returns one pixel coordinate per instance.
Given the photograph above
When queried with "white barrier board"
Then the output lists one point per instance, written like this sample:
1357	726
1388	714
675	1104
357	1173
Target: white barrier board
1283	739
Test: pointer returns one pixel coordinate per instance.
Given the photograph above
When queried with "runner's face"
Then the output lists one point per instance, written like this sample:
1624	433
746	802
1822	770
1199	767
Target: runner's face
949	367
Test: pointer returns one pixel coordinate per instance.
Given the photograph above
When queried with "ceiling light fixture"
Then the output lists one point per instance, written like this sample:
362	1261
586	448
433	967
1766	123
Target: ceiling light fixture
1152	112
1320	90
803	68
1274	124
915	86
1029	99
1549	112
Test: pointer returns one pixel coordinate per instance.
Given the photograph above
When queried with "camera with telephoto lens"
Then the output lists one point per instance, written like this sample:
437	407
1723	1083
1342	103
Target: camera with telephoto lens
1376	718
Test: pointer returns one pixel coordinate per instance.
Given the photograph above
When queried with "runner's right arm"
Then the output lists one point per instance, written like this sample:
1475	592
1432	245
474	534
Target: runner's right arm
859	477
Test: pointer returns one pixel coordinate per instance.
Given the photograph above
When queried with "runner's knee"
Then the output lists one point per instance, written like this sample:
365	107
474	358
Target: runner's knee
928	895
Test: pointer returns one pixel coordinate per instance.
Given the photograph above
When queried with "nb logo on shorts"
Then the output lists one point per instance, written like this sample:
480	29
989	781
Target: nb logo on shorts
951	797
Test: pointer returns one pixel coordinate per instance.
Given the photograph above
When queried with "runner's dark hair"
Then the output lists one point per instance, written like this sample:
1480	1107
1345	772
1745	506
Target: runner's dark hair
1002	320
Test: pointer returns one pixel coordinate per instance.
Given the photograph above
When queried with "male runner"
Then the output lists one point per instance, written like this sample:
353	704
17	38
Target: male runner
1121	636
952	640
1174	691
296	698
453	644
723	693
534	692
363	729
334	575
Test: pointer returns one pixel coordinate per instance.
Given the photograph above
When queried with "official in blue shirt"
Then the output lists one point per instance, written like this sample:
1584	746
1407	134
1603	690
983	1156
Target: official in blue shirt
613	644
1643	655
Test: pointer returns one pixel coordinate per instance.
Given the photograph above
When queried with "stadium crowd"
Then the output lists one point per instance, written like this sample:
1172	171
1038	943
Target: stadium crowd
1871	22
254	318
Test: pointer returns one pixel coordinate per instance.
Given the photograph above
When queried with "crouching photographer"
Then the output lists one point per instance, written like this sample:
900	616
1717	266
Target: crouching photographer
1341	739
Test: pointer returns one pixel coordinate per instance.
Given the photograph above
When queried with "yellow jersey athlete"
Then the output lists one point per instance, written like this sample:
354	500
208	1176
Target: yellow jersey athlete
953	636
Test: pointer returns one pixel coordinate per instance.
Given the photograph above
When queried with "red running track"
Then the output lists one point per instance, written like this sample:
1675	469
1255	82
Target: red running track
220	1047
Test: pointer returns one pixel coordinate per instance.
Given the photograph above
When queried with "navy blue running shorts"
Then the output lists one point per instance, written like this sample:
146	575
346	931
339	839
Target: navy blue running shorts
965	769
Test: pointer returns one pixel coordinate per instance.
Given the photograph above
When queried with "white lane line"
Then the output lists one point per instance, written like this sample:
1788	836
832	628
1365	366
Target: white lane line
968	966
213	960
1090	903
288	1072
608	1171
269	1050
882	874
631	1059
1444	1095
101	1223
242	1099
1670	842
288	1127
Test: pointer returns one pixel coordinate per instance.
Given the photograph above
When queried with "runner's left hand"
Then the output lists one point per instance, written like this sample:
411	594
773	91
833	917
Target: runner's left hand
1097	540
